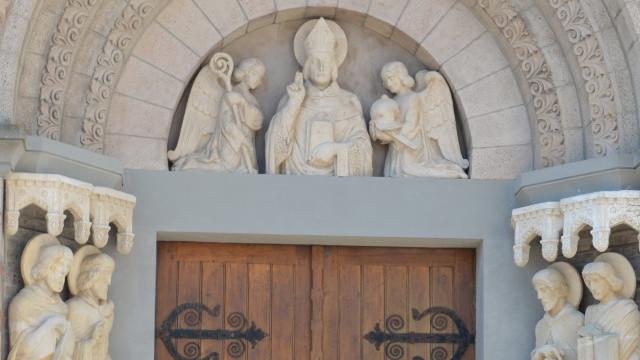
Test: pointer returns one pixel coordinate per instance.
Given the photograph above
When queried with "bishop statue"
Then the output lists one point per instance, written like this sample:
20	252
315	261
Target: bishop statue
319	128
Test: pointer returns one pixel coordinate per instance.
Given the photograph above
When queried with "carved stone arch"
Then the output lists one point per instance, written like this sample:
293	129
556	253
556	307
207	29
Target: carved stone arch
488	94
600	71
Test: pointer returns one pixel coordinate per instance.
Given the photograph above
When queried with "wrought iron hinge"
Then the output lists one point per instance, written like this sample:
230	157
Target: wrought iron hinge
392	339
240	333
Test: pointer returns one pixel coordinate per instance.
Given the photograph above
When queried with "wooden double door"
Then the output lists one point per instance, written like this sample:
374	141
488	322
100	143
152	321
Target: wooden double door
229	301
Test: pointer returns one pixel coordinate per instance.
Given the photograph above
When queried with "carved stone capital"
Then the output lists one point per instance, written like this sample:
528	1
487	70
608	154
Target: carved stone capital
601	211
540	220
111	206
56	194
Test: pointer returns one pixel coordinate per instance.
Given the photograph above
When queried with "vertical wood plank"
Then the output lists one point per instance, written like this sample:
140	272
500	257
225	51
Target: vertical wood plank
372	307
317	301
166	283
260	307
419	299
235	300
282	309
302	314
349	298
465	298
330	310
212	295
442	295
189	273
396	297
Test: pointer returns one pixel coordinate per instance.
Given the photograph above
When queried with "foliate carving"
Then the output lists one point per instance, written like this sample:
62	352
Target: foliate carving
52	193
105	74
55	194
540	220
598	85
56	72
539	77
601	211
111	206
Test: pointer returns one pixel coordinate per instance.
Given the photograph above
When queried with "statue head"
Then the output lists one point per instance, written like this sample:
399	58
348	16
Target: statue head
557	285
320	67
385	113
552	289
602	280
90	273
52	266
251	72
94	276
395	77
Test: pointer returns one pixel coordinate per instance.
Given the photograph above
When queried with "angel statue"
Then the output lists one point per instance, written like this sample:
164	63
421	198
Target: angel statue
419	126
221	119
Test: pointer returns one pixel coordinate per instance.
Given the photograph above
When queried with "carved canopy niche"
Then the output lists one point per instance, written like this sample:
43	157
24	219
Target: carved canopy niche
94	208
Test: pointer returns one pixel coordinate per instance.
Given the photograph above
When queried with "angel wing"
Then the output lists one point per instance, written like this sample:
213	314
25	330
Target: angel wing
438	117
200	116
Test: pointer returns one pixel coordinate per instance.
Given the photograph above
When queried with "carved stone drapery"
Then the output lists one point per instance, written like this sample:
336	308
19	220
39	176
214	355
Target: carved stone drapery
56	193
601	211
70	31
543	220
539	77
598	85
105	74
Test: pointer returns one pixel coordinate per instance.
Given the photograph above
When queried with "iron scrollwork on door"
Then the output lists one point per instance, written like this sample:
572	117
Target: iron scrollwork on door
440	318
240	333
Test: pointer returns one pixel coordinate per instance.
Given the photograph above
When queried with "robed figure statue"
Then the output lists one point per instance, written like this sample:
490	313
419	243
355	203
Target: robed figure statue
319	128
612	327
559	289
38	318
90	311
221	118
419	125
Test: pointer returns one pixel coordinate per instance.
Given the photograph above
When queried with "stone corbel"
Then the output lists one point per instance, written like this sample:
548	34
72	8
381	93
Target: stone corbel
111	206
54	194
93	208
543	220
601	211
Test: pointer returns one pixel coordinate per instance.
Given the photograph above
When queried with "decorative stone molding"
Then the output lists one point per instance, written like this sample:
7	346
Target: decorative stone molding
107	206
539	77
598	85
52	193
56	193
540	220
71	27
105	74
601	211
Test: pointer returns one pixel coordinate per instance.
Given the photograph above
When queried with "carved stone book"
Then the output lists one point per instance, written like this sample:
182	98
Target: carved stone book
320	132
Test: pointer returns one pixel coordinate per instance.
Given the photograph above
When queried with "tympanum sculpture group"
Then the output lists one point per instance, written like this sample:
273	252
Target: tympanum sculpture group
319	128
610	329
41	325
